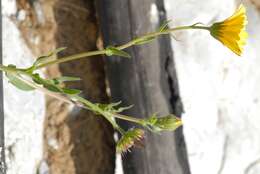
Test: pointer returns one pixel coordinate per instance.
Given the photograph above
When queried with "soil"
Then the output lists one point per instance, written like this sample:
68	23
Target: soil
75	141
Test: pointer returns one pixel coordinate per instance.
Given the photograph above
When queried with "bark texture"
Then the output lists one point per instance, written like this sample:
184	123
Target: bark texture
76	141
148	81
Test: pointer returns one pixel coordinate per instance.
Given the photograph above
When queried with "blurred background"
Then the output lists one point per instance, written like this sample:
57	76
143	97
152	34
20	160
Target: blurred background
189	74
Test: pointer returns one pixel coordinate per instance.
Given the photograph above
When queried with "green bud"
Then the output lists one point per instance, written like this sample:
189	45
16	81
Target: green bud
167	123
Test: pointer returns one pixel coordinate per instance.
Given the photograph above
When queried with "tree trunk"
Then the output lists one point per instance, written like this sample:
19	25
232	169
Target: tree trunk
147	80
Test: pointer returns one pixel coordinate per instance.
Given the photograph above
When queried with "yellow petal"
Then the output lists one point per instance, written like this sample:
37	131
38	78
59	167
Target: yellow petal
231	32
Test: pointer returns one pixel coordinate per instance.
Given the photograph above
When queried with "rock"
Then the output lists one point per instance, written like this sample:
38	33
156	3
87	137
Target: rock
24	111
219	90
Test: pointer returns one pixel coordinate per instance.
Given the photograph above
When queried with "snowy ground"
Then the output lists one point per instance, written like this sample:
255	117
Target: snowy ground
24	111
220	90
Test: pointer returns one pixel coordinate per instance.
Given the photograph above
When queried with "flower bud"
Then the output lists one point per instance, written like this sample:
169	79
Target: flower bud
129	139
167	123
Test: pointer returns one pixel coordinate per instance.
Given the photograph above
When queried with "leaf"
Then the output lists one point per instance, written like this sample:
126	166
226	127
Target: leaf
11	66
52	87
114	104
46	83
164	26
71	91
47	57
113	107
37	79
121	109
141	41
18	83
65	79
110	51
153	119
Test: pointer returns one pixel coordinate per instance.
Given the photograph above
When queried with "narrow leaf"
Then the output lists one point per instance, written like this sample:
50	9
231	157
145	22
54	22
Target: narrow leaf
49	56
115	104
18	83
65	79
37	79
114	51
52	87
71	91
164	25
46	83
121	109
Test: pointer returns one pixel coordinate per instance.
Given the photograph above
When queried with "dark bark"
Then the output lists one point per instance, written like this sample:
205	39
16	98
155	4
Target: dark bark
148	81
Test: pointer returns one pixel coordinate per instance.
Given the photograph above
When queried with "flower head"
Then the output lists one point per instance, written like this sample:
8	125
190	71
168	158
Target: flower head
231	32
129	139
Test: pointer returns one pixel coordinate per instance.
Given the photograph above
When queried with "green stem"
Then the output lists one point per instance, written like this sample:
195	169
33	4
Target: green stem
122	47
96	109
108	115
70	58
7	69
86	103
128	118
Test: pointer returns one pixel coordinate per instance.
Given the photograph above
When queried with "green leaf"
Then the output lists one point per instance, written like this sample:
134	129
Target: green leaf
37	79
71	91
153	119
121	109
17	82
52	87
47	57
141	41
46	83
114	104
164	26
114	51
11	66
59	80
113	107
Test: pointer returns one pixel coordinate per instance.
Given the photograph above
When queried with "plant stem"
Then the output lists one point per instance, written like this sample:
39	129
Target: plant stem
81	102
128	118
70	58
122	47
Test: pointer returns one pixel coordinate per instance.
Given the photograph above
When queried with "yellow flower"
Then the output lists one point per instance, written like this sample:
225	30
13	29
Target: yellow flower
231	32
